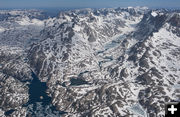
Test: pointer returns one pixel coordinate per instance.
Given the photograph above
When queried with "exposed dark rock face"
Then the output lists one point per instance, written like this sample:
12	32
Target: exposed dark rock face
149	25
92	38
13	93
175	22
143	63
146	99
88	104
36	59
124	73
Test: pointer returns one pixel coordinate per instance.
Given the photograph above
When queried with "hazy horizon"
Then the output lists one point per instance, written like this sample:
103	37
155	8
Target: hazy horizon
61	4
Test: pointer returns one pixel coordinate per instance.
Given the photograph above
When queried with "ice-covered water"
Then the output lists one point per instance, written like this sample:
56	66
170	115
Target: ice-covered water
176	86
115	42
138	110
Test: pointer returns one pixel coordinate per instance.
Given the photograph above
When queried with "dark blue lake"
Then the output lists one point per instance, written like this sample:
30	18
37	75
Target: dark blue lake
39	104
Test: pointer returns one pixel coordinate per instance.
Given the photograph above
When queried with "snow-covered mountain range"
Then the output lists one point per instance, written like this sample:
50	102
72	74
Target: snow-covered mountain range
109	62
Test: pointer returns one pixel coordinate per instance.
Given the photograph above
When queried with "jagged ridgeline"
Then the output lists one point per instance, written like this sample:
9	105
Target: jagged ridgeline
108	62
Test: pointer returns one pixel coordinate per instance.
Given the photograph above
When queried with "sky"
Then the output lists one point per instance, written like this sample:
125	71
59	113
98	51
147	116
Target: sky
88	3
